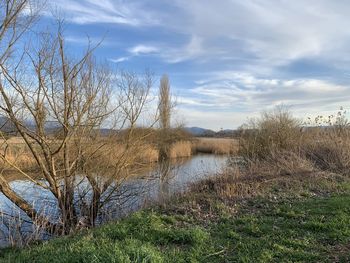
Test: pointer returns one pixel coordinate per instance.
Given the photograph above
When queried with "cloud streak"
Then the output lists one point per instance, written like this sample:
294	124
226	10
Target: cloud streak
245	91
103	11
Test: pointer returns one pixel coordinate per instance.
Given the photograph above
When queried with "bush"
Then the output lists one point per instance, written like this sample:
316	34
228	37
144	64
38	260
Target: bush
279	139
274	131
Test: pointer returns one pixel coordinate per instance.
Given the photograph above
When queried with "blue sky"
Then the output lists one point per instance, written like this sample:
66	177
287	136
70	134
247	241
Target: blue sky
227	60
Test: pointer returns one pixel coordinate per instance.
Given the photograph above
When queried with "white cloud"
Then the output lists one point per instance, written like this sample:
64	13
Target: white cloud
142	49
248	94
119	60
275	32
136	51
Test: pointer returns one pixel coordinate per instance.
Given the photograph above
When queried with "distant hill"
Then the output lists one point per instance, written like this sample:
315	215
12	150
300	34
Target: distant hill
202	132
227	133
52	127
197	131
6	125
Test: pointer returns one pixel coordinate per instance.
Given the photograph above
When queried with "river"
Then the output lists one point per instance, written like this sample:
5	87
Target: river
151	186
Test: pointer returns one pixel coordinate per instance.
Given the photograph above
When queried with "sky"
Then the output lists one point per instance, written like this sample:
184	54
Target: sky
227	60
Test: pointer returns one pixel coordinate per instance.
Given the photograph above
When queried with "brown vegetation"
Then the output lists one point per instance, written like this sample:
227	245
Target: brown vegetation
279	138
215	146
274	131
278	153
278	159
181	149
19	155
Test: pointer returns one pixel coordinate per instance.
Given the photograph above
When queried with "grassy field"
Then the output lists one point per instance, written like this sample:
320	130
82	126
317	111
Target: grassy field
290	219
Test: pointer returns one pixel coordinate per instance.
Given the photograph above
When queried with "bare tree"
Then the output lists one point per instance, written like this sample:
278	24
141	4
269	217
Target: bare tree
16	17
164	118
80	167
164	103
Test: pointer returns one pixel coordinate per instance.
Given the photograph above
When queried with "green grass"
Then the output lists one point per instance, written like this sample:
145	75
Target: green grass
313	229
304	231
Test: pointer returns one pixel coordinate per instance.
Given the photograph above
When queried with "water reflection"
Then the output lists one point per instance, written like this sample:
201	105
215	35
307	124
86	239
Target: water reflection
164	179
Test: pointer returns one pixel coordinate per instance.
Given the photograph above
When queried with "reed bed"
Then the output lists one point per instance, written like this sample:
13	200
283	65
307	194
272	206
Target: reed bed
215	146
181	149
18	154
19	157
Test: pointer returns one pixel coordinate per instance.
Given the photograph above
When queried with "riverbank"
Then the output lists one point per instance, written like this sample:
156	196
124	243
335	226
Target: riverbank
263	218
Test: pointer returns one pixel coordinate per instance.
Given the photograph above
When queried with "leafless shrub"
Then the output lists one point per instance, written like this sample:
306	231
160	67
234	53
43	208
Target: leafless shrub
275	130
279	139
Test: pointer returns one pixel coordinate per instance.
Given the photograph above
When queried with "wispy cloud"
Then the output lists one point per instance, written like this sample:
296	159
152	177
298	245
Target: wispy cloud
273	32
245	92
138	50
103	11
142	49
119	60
192	50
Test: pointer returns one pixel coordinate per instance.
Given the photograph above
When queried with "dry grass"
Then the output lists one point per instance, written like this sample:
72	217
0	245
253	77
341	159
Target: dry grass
181	149
215	146
278	153
329	152
288	176
143	153
279	139
148	154
19	156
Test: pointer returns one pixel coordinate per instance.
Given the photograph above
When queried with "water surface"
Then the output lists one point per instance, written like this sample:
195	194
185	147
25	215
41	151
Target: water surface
153	185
